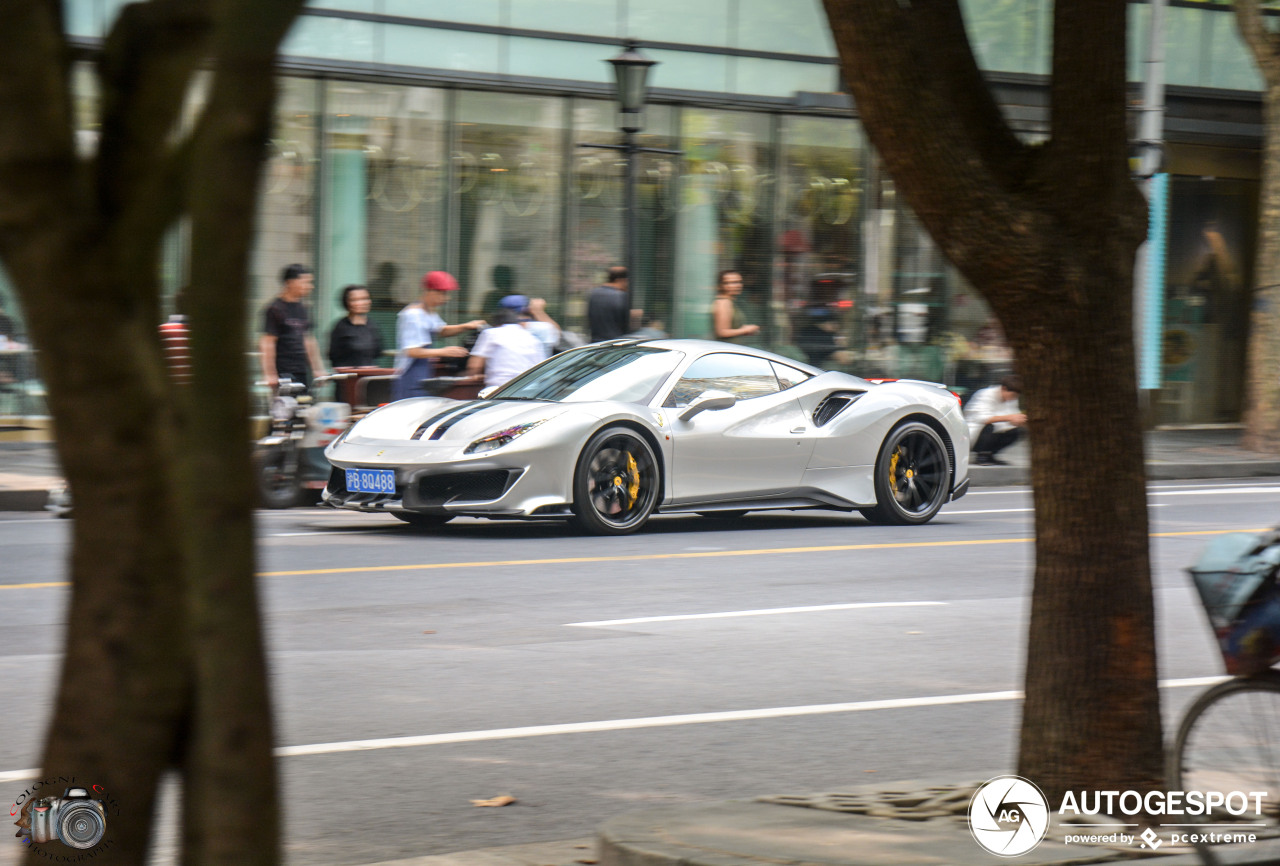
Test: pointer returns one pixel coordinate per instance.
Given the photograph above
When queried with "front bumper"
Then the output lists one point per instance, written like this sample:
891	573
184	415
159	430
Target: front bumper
515	482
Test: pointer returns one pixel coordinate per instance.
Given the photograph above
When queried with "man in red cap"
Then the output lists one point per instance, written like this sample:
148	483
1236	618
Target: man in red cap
417	327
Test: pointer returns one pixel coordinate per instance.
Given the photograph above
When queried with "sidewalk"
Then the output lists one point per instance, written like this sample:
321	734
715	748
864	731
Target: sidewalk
29	469
757	833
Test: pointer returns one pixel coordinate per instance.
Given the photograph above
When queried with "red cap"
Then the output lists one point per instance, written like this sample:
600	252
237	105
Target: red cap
439	281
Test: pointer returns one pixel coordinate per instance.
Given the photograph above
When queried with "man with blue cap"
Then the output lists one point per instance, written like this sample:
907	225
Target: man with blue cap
510	346
533	315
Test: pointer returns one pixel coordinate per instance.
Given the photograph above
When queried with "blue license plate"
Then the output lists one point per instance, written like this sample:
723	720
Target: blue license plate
371	481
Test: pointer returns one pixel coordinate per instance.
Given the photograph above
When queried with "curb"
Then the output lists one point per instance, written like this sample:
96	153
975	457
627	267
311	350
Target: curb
563	853
34	499
749	833
1002	476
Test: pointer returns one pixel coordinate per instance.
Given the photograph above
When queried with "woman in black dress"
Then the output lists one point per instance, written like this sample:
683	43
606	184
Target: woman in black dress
353	341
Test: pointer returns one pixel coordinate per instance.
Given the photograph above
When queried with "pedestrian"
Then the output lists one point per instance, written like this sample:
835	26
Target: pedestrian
174	341
995	421
288	348
417	327
505	350
533	316
726	318
609	307
354	342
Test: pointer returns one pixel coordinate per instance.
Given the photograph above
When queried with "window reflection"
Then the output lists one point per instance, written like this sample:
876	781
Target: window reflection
507	163
723	198
385	191
743	376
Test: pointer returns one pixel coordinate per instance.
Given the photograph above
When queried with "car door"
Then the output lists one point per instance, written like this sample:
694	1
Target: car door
757	447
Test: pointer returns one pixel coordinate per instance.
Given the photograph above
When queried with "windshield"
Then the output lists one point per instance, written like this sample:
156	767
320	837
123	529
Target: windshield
630	374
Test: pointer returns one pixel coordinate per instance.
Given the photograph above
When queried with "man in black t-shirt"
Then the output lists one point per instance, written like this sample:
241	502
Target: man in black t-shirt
609	307
287	345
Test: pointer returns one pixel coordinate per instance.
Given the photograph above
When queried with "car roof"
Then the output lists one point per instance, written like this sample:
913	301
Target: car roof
707	347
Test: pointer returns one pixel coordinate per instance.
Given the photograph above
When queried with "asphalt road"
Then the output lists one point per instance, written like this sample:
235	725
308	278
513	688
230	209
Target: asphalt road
415	672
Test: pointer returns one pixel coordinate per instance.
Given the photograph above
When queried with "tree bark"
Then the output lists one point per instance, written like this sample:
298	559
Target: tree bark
1047	233
1262	377
164	663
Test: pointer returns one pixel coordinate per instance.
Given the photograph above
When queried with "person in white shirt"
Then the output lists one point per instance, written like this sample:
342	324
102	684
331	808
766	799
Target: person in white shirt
533	315
995	421
505	350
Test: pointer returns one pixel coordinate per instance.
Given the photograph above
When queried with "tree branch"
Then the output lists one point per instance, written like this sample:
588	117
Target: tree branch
38	166
1092	144
146	70
1263	44
942	138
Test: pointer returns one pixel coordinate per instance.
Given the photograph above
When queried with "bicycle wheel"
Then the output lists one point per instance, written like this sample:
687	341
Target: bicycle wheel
1229	740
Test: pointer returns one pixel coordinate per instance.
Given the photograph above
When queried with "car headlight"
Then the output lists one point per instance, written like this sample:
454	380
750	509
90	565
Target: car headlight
502	437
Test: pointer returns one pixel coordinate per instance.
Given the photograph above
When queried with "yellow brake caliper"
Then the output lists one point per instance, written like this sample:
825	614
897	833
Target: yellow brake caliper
633	480
893	468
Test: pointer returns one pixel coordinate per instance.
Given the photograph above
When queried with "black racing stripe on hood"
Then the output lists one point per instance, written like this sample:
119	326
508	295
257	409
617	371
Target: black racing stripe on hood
422	428
444	427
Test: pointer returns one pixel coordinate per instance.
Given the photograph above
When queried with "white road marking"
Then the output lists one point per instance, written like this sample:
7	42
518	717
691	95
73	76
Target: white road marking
1211	491
648	722
1016	510
324	532
761	612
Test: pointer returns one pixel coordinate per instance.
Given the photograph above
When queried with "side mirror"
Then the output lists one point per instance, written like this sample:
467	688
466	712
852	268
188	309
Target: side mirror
708	400
485	392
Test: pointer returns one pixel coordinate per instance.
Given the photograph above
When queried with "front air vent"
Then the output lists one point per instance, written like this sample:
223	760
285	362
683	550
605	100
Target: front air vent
833	404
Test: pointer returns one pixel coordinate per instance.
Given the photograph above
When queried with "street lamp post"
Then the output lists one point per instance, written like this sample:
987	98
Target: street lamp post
631	71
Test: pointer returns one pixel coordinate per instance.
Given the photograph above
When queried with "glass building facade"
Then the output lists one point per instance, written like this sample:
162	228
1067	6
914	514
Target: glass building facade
415	135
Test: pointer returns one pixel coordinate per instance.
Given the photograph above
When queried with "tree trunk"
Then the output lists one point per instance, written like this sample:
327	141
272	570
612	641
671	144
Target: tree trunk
124	686
1262	382
164	663
1091	715
1047	233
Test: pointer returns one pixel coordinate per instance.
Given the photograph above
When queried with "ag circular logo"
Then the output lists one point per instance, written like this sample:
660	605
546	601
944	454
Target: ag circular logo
1008	816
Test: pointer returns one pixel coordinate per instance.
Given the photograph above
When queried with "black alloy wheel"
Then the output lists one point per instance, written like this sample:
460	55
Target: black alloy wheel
423	521
616	485
912	476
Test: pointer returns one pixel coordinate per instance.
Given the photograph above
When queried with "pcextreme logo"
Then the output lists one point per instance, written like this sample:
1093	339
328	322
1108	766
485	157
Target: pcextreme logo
1008	816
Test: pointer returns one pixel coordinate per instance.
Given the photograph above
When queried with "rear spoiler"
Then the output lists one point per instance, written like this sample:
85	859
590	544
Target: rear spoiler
918	382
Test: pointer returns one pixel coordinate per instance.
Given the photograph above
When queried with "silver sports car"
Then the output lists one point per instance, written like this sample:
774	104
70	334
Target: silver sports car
608	434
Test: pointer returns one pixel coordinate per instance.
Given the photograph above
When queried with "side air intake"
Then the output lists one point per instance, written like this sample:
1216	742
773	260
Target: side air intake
833	404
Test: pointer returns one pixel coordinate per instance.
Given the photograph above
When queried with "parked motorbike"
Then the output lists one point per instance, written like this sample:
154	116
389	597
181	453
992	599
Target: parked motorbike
290	458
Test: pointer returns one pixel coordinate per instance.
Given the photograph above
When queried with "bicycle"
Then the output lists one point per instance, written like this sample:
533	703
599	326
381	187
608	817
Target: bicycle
1229	738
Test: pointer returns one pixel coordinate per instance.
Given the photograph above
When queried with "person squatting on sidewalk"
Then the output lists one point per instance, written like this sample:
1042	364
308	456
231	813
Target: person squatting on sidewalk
995	421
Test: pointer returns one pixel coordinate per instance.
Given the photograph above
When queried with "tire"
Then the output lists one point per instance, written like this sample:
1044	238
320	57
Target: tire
616	484
723	515
278	476
912	476
423	521
1229	740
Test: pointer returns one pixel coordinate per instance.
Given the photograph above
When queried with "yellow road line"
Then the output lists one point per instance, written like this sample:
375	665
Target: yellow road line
639	557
